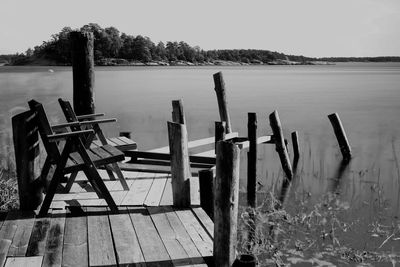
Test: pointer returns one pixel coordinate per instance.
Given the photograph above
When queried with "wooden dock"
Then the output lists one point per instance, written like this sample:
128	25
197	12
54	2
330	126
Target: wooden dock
80	231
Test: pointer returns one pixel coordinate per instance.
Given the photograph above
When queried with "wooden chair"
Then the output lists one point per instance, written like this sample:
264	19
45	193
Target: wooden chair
89	138
73	157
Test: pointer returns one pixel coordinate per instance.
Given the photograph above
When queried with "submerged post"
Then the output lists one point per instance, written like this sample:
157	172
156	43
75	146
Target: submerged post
26	147
178	116
340	136
252	160
280	144
83	72
180	168
226	194
222	102
206	181
295	141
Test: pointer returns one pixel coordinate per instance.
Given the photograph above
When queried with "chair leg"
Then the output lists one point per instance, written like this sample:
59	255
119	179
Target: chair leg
45	173
120	176
59	172
70	182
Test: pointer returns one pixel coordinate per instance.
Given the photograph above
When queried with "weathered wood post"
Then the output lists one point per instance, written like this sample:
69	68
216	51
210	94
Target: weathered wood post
295	141
220	127
252	160
340	136
26	147
180	168
222	102
226	194
206	181
83	72
280	144
178	116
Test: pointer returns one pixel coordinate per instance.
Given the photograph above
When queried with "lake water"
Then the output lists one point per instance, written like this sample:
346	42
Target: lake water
366	96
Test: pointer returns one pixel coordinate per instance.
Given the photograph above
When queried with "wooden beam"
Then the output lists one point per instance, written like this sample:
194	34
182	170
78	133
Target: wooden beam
340	136
222	102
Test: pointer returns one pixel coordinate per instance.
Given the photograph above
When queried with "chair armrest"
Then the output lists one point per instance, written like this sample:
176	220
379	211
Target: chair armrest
89	116
64	125
63	136
97	121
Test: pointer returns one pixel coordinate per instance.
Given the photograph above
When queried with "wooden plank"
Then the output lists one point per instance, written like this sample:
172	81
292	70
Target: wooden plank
110	142
167	156
54	244
196	232
24	262
166	198
37	241
154	168
138	193
126	242
20	241
7	233
75	240
155	193
175	238
117	141
205	220
101	248
153	249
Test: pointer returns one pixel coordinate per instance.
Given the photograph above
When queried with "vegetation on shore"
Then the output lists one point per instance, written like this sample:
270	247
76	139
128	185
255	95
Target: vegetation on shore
114	48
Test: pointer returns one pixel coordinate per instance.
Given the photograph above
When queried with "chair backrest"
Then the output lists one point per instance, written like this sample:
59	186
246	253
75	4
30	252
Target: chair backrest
68	111
44	129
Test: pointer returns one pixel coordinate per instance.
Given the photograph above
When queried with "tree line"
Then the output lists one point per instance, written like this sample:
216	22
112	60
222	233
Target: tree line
110	43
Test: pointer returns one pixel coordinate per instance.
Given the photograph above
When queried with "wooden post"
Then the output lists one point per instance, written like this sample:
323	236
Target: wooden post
340	136
246	260
219	132
280	144
27	153
180	168
295	141
82	72
222	102
178	116
206	180
226	194
252	160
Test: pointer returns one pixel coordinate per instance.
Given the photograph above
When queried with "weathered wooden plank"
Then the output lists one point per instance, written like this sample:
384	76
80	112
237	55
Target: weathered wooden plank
117	141
54	244
154	251
37	241
155	193
166	198
101	248
20	241
196	232
178	243
24	261
126	242
75	240
7	233
138	193
205	220
155	168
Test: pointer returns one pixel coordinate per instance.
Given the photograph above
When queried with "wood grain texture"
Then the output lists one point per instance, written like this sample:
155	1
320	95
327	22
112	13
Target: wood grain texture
54	244
21	238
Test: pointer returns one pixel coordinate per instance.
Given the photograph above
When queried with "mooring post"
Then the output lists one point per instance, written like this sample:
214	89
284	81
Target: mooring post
206	181
222	102
280	144
220	127
340	136
226	194
27	153
180	168
252	160
178	116
83	72
295	141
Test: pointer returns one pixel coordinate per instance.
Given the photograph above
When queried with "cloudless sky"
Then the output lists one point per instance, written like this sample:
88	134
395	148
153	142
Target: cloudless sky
314	28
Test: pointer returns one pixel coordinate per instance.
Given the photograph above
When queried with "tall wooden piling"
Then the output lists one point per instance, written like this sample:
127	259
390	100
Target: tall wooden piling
180	168
178	116
280	144
226	194
26	147
220	127
206	181
222	102
340	136
83	72
252	160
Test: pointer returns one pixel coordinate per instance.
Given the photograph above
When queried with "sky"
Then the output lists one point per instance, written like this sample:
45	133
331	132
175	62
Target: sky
314	28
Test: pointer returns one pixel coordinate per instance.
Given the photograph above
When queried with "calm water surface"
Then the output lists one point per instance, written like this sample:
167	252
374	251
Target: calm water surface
366	96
